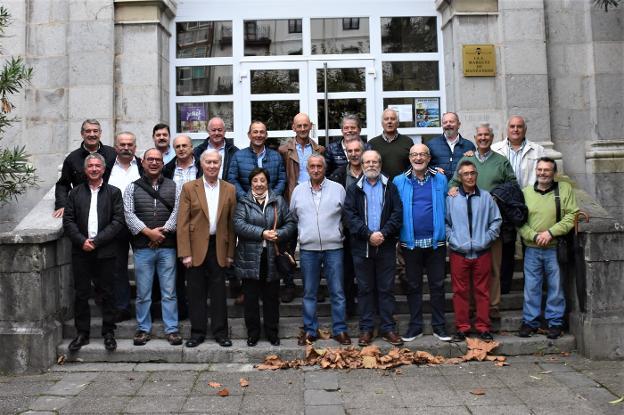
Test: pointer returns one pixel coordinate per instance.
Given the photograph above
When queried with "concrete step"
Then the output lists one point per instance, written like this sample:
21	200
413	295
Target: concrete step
159	350
511	301
289	326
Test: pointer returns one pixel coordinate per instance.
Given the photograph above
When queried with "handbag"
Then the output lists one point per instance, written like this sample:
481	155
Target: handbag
563	247
284	260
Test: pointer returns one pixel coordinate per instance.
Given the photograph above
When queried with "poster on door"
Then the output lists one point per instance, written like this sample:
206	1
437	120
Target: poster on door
427	112
193	118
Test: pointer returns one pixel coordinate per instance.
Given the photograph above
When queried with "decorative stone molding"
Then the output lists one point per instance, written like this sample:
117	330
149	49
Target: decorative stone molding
451	8
145	11
605	156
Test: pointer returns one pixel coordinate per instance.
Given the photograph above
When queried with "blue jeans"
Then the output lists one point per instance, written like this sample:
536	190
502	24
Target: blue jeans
540	263
311	270
163	261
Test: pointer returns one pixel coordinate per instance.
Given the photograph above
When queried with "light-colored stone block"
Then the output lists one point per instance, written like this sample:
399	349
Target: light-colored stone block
47	39
90	68
570	92
138	69
47	136
610	122
520	4
524	58
49	72
527	24
94	101
91	10
47	103
528	91
607	26
47	11
609	57
137	38
479	93
90	36
565	25
139	103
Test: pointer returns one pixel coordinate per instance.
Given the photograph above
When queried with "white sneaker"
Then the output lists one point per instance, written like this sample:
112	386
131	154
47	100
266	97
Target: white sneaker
411	338
442	335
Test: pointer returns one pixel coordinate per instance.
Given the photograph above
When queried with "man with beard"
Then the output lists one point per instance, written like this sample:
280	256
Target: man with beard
336	152
448	148
72	173
373	212
161	136
126	169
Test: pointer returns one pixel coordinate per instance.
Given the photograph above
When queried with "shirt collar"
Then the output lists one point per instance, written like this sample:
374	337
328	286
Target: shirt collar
208	185
452	142
98	187
191	165
322	183
388	139
550	189
524	141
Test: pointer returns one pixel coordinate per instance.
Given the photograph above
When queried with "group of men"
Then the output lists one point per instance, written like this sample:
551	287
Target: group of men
359	206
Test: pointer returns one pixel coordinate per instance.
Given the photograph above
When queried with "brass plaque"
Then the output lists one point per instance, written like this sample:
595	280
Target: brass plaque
479	60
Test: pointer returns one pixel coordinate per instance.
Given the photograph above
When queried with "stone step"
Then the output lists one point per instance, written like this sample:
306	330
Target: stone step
289	326
159	350
511	301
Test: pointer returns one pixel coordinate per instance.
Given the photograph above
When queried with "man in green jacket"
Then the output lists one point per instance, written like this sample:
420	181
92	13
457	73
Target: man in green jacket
540	234
493	169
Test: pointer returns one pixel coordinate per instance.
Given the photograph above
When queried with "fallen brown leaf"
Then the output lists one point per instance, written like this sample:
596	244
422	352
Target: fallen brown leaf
224	392
214	384
61	360
478	391
324	334
501	364
243	382
369	362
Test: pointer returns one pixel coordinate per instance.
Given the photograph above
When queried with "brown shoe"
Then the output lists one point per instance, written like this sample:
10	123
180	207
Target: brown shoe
343	338
392	338
240	299
366	337
306	339
174	339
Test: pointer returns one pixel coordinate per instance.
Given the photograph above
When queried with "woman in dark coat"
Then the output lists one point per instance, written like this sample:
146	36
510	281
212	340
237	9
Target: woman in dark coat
260	230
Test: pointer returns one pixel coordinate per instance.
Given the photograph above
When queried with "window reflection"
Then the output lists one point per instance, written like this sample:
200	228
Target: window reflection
332	36
276	115
204	39
275	81
273	37
341	80
338	108
204	80
410	76
193	116
409	34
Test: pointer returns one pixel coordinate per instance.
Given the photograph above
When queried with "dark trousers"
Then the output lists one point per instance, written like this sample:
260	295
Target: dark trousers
416	261
508	263
208	278
88	267
376	272
121	282
254	289
350	288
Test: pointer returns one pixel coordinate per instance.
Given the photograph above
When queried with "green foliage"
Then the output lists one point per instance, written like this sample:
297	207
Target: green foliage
16	172
607	3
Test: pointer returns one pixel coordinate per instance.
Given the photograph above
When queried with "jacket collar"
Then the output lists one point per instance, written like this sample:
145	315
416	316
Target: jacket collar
382	178
477	192
408	173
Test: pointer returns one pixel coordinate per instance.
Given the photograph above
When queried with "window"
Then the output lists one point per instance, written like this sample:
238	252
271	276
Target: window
350	23
294	26
328	36
409	34
203	39
270	38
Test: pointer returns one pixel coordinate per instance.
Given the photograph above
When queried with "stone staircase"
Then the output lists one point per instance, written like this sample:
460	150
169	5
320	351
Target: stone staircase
158	350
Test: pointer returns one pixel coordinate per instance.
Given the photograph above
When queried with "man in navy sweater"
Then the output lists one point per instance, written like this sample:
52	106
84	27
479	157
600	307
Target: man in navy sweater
448	148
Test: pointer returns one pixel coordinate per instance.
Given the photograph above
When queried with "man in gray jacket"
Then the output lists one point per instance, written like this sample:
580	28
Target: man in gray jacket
472	225
317	206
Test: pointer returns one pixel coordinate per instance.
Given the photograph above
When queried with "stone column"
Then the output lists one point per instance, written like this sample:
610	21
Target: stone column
142	65
520	87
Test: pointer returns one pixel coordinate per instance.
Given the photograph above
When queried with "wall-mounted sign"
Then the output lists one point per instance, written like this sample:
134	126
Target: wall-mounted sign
479	60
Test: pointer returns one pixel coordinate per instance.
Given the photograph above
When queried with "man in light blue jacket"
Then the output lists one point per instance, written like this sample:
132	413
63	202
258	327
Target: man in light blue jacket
472	224
317	206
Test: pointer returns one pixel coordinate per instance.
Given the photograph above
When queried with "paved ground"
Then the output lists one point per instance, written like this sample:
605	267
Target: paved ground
552	384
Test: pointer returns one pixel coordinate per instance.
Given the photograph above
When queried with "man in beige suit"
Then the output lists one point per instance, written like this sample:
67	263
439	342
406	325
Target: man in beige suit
206	245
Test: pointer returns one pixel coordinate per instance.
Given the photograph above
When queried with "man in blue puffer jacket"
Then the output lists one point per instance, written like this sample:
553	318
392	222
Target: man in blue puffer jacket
448	148
256	155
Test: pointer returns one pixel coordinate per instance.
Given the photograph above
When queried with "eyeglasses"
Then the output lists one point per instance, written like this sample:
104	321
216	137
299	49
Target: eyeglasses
182	146
153	160
468	174
419	155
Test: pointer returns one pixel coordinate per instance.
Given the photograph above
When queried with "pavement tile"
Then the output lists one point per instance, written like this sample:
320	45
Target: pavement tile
353	383
321	380
14	404
574	379
153	404
272	383
544	395
569	408
419	370
409	384
115	384
272	404
500	410
476	380
94	367
227	380
213	404
49	403
493	396
533	379
172	387
72	383
557	367
378	401
231	367
19	387
438	410
176	367
325	410
95	405
320	397
610	379
366	411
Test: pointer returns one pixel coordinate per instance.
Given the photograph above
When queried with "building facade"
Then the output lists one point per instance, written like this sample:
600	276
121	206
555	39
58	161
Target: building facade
134	63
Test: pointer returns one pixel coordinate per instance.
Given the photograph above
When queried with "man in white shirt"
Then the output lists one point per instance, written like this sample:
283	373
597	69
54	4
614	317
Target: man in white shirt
125	170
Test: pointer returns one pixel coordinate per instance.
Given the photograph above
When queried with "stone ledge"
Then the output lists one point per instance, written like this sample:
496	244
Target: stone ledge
144	11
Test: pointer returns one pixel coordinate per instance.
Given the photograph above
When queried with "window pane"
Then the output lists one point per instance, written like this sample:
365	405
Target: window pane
410	76
330	36
409	34
204	80
341	80
273	37
192	117
203	39
338	108
276	115
401	101
275	81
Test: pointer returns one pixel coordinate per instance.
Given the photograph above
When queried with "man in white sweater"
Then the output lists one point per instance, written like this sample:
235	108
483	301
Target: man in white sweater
317	206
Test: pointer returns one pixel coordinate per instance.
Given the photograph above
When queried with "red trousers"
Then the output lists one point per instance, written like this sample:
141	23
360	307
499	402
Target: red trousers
462	271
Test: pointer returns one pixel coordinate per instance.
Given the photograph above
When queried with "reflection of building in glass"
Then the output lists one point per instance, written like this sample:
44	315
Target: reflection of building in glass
273	37
204	39
343	35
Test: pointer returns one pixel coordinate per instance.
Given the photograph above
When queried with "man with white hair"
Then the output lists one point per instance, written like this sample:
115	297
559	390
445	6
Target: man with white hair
391	145
373	212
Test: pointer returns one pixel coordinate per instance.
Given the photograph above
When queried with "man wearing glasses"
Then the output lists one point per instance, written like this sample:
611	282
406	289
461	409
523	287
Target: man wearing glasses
151	209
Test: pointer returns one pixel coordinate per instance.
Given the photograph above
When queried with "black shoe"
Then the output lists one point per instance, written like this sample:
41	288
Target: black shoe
320	296
141	338
225	342
288	294
486	336
554	332
122	315
274	340
109	342
441	334
194	341
526	331
458	337
252	341
78	342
